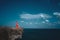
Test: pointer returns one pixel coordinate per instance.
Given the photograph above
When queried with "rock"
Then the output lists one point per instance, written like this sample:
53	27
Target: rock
10	33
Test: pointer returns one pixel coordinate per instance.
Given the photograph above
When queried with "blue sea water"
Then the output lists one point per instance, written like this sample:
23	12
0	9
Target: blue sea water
41	34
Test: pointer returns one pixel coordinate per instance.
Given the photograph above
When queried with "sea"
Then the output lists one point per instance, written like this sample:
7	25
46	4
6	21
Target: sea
41	34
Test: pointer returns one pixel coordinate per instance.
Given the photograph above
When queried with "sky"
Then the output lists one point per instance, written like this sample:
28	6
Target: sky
30	13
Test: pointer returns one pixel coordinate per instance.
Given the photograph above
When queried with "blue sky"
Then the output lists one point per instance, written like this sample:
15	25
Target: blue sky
30	13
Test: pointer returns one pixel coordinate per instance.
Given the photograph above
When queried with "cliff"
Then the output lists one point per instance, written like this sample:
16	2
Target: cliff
10	33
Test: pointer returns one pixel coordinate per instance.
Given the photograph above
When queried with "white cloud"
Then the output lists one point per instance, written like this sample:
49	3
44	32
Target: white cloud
47	20
29	16
44	16
56	13
34	16
43	22
30	23
22	21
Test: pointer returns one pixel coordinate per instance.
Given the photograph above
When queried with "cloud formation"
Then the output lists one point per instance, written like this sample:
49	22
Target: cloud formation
35	16
56	13
47	20
29	16
45	16
22	21
40	20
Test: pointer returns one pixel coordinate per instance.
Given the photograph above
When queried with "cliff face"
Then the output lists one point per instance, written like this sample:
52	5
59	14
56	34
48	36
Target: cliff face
10	33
